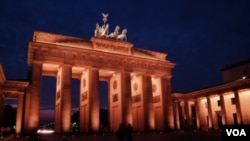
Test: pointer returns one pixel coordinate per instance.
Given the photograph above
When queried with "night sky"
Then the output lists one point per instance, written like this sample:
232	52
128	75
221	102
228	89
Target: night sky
200	36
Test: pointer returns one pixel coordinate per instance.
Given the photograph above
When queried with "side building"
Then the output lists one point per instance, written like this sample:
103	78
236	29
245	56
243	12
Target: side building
12	89
211	107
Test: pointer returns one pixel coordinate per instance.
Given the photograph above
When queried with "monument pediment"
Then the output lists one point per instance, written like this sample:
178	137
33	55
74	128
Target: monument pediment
52	38
148	54
111	46
98	44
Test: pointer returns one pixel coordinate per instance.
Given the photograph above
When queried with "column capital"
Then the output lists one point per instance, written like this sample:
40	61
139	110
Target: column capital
66	64
37	62
125	71
167	76
93	68
213	95
238	106
199	98
146	74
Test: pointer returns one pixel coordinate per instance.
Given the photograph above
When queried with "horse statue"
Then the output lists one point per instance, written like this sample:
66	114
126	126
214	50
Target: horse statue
122	36
103	31
114	34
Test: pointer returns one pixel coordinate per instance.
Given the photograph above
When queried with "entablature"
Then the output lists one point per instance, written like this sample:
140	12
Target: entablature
219	89
97	43
84	57
11	89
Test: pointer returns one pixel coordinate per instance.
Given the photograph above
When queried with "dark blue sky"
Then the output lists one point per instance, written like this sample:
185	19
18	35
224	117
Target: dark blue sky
200	36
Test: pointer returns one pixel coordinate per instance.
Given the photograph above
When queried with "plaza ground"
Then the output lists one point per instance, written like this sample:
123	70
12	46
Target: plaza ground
173	136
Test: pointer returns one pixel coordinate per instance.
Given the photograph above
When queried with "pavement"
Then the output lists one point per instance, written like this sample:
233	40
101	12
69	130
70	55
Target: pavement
173	136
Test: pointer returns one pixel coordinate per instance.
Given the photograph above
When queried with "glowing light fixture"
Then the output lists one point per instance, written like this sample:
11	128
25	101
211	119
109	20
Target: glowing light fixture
45	131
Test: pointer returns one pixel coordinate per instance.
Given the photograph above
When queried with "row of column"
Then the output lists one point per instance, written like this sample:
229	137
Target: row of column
62	103
213	111
19	113
90	101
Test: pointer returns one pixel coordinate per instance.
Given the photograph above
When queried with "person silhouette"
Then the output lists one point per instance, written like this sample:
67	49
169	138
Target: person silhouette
120	133
129	132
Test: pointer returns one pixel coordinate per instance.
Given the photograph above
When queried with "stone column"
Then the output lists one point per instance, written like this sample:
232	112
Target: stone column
188	114
66	85
32	107
1	109
197	109
19	114
238	107
210	113
26	111
83	103
89	101
126	97
183	115
202	113
63	99
148	102
176	115
167	104
94	99
223	110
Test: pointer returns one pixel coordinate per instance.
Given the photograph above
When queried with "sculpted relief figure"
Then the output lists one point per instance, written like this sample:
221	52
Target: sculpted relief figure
103	31
97	30
105	17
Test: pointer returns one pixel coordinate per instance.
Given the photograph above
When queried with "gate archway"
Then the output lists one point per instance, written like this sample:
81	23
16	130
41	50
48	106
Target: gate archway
132	74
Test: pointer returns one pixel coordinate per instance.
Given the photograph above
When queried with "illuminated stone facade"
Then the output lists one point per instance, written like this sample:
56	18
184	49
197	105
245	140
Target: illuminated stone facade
138	80
139	88
10	89
209	108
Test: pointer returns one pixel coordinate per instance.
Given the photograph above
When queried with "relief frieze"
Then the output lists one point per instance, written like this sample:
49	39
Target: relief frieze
112	48
84	96
136	98
51	38
101	60
156	99
115	97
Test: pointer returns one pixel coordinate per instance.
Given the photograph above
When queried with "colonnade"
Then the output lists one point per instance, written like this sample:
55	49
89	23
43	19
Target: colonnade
139	82
17	91
209	112
139	99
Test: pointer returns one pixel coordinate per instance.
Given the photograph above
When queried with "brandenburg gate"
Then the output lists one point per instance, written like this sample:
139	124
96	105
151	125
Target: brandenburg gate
139	87
139	81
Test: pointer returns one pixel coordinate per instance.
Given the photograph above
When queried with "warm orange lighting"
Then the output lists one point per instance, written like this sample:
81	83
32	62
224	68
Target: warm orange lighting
45	131
95	120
